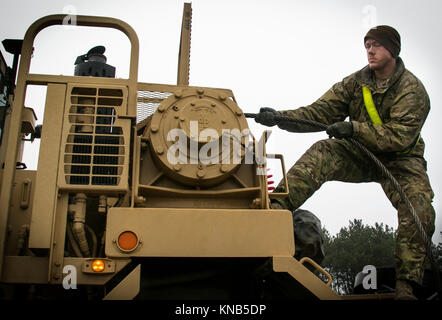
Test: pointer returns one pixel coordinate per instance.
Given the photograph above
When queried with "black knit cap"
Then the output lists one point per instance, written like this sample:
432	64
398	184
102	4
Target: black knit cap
388	37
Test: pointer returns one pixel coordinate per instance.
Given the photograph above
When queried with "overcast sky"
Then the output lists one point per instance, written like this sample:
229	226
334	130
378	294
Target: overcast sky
280	54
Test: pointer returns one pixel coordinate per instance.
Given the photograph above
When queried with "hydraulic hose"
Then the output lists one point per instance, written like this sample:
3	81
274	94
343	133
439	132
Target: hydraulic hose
386	173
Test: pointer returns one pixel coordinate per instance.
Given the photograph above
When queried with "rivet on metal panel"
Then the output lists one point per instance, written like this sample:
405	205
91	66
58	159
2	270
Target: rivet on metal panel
160	149
154	128
178	94
200	91
222	97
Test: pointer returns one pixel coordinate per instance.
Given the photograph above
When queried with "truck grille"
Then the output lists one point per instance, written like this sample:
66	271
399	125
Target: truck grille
95	149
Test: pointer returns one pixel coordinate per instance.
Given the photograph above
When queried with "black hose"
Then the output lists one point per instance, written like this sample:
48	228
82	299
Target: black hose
430	248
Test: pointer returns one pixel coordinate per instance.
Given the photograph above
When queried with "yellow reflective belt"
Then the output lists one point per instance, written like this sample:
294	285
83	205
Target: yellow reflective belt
374	115
369	105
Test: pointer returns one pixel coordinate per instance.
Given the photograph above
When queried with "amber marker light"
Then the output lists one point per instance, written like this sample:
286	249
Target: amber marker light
98	265
127	241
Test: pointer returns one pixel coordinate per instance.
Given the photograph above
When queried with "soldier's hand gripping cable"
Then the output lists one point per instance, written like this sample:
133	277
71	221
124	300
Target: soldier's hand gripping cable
270	117
387	107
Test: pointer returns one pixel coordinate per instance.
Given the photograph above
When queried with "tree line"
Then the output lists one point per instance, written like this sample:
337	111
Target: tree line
356	246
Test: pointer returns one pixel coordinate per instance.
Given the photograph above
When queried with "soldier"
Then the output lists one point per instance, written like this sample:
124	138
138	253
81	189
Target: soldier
387	106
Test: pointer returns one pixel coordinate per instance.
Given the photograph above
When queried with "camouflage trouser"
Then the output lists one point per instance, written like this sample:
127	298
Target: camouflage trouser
339	160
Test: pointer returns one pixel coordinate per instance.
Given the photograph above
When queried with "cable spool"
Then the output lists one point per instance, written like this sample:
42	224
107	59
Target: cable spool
186	136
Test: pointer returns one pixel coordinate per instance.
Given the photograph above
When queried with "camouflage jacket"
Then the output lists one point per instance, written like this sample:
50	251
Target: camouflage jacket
403	105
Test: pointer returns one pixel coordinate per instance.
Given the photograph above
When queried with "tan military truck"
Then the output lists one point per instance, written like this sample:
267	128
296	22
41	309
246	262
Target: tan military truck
143	190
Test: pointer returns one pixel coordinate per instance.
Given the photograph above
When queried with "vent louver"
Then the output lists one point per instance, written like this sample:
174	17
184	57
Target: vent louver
96	150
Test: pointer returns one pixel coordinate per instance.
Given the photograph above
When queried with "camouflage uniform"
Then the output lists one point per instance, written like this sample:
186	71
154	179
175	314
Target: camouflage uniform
403	105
